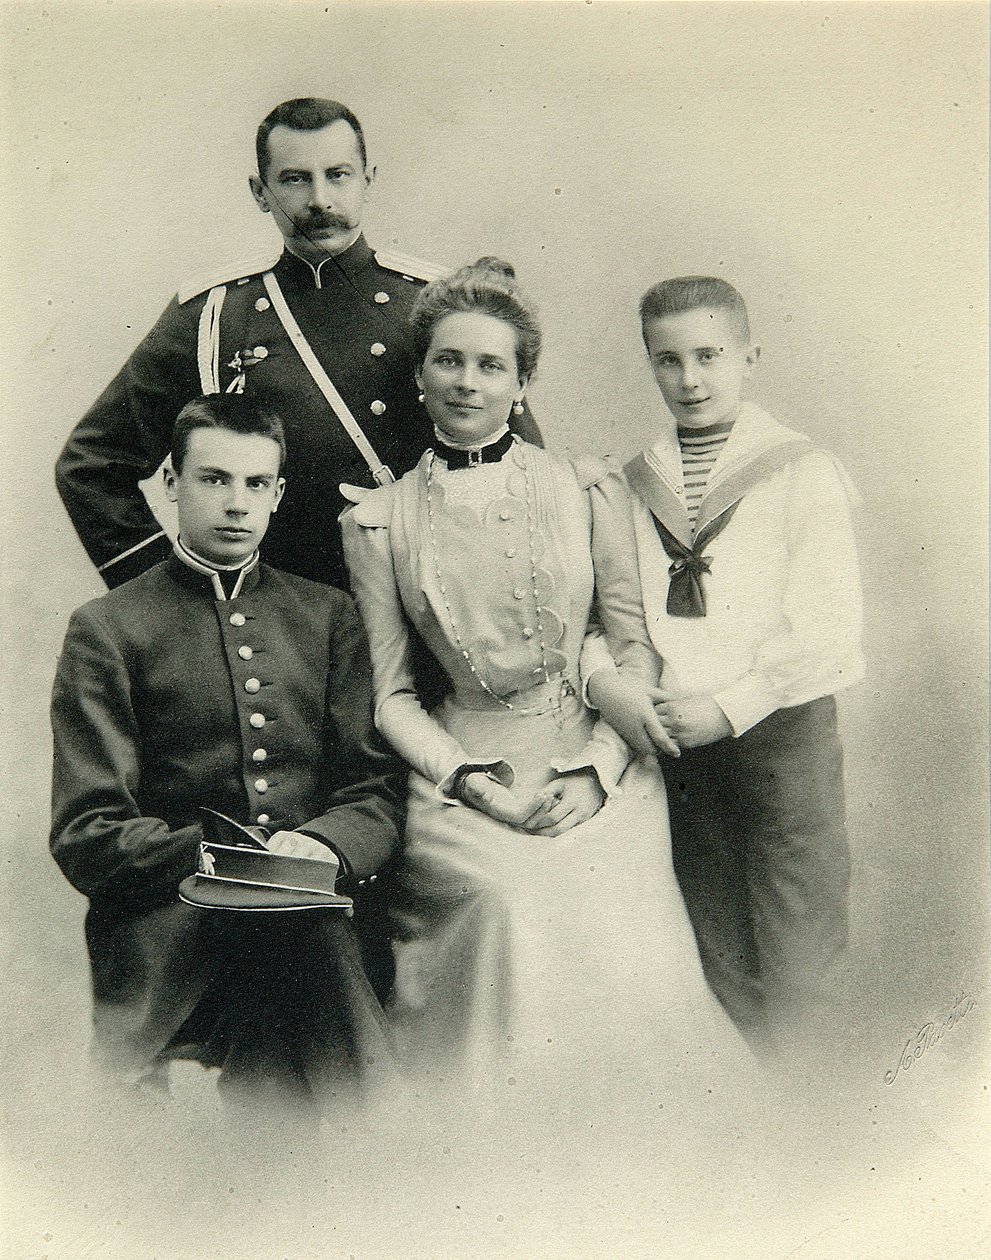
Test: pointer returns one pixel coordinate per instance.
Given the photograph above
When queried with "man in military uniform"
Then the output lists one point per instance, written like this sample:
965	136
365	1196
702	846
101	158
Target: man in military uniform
319	332
214	680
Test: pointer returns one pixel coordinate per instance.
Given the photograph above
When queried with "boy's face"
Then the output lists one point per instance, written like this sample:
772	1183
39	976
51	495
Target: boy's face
700	363
228	488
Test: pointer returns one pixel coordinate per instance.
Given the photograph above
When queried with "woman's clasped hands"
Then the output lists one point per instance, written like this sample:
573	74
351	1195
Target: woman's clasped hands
567	800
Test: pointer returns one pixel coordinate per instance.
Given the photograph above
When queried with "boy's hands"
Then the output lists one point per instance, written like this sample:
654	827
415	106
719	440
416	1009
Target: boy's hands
629	710
691	720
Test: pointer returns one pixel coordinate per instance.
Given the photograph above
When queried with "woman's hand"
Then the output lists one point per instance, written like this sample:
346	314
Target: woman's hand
505	804
565	802
629	710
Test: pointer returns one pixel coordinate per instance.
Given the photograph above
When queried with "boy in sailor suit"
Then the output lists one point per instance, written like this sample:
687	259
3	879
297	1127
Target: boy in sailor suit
739	534
213	680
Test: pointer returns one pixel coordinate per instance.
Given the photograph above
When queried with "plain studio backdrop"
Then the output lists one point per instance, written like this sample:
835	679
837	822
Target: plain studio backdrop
830	161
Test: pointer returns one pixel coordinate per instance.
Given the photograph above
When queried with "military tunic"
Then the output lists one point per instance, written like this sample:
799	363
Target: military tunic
353	311
167	698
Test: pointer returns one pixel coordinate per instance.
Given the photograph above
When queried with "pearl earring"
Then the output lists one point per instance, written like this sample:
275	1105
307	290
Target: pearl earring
518	408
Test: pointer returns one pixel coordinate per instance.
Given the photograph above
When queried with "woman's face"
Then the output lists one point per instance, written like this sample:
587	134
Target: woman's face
469	376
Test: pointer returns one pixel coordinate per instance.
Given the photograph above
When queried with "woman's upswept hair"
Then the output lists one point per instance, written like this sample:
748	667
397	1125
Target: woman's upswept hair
486	287
689	293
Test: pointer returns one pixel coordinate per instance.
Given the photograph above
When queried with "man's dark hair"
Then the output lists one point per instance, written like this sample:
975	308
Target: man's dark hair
305	113
234	412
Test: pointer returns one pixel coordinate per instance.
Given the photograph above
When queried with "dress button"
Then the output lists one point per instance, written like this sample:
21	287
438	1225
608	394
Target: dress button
261	786
260	352
245	652
257	720
381	298
259	754
377	348
510	552
252	686
518	594
262	304
527	632
264	818
377	407
237	619
504	515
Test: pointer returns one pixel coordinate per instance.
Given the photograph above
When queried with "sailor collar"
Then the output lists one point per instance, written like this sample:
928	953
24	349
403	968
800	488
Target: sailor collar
757	446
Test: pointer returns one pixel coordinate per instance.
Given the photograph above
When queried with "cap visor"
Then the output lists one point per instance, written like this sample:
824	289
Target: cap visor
213	894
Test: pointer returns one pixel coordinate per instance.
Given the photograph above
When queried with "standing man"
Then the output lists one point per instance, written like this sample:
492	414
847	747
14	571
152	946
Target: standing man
319	333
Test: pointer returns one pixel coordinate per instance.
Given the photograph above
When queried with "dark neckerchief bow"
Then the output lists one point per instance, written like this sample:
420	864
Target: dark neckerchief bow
454	457
686	598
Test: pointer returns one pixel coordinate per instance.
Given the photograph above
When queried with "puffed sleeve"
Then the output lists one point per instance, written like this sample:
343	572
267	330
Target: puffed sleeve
817	651
104	845
399	715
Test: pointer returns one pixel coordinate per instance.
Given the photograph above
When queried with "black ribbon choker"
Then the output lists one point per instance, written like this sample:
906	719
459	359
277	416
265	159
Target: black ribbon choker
491	454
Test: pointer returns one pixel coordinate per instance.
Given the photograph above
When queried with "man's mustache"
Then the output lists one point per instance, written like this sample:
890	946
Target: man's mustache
323	222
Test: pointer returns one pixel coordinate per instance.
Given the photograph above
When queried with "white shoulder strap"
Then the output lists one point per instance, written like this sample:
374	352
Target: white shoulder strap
381	473
208	341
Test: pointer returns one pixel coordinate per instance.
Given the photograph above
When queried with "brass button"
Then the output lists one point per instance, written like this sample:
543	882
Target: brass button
237	619
262	304
259	754
252	686
381	298
378	349
260	352
377	407
263	818
245	652
261	786
257	720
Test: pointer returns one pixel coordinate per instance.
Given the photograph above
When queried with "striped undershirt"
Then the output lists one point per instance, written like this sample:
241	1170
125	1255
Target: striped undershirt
699	451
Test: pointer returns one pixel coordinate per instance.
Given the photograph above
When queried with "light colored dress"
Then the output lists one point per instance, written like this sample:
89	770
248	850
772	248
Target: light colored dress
558	957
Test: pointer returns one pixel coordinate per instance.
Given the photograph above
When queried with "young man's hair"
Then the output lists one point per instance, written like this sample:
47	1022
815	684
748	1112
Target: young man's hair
305	113
688	293
234	412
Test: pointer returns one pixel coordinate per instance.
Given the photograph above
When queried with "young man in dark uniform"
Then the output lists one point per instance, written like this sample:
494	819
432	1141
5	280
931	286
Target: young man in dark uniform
320	332
214	680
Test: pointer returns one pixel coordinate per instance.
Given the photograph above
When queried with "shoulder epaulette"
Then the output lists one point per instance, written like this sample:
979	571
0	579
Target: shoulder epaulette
409	267
227	274
590	469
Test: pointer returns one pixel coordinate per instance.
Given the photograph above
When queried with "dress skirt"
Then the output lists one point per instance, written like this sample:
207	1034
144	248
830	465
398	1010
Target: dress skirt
563	958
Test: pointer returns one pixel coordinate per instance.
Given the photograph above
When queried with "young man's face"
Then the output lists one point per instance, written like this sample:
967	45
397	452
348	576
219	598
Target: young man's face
700	363
315	187
228	488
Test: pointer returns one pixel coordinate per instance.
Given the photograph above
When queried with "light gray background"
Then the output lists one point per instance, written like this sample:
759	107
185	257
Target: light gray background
828	159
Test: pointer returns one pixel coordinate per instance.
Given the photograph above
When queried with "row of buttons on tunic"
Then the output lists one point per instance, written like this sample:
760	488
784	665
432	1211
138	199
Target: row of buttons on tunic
256	720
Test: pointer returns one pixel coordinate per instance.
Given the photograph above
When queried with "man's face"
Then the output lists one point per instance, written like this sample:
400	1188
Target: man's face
228	488
315	187
700	363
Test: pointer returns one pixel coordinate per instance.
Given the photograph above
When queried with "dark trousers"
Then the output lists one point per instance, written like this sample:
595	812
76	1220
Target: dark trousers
760	850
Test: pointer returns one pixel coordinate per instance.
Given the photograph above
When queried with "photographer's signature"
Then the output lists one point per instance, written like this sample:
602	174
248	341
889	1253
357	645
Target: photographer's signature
927	1036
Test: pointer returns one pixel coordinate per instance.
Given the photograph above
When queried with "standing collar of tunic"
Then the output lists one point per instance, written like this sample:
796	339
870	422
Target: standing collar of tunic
293	270
188	565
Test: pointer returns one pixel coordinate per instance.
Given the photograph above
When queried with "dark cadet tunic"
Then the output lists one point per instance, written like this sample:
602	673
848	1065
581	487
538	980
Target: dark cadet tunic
154	714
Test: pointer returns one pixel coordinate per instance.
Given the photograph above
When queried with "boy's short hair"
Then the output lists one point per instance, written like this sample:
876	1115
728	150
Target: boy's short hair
234	412
688	293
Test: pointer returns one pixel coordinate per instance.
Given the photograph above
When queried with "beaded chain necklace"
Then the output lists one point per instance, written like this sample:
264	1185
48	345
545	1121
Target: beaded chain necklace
530	528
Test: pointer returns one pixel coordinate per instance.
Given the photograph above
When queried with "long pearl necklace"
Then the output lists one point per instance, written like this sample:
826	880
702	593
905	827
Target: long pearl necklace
538	609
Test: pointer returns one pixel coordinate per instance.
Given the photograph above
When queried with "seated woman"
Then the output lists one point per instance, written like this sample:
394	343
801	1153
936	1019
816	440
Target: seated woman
537	916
